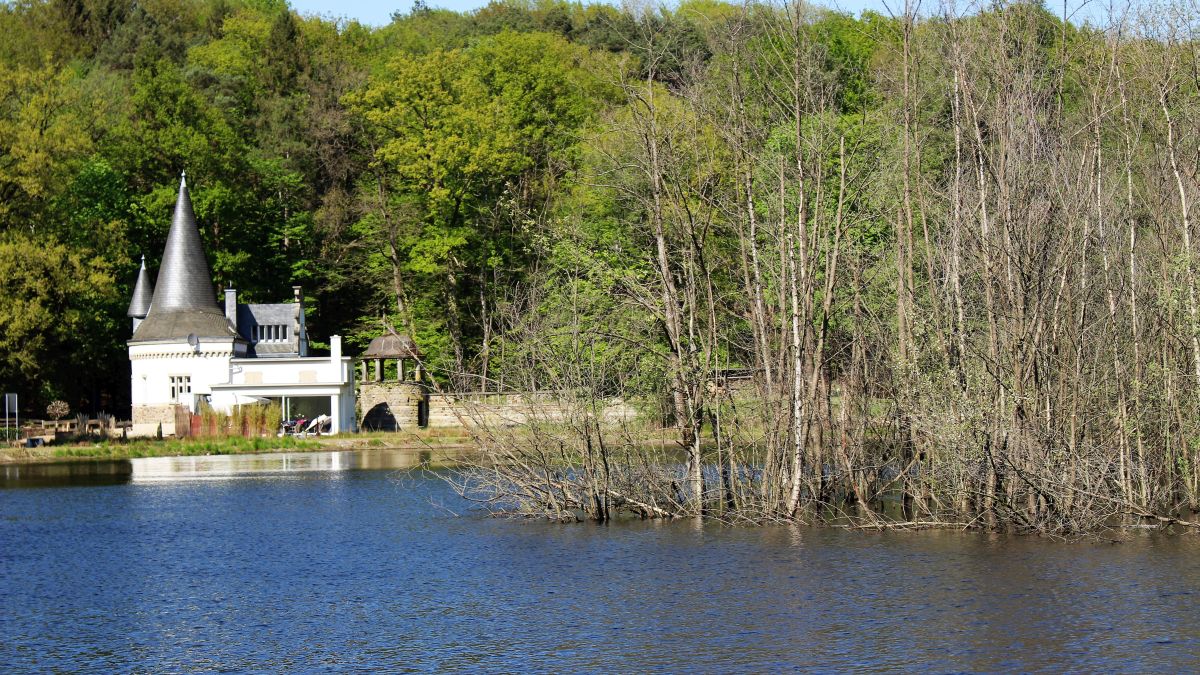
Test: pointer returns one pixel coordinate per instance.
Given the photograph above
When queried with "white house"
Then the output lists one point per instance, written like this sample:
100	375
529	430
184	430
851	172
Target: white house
186	350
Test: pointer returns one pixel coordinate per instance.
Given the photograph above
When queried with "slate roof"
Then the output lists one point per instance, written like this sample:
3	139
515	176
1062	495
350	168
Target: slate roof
143	292
176	326
280	314
184	301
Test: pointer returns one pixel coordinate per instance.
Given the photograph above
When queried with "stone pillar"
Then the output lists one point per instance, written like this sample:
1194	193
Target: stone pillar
379	370
400	370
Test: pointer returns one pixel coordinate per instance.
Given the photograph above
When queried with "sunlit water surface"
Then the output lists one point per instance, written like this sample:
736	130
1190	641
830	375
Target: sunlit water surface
335	562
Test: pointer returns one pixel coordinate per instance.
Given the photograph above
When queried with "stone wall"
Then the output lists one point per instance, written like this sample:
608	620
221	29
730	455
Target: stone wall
506	410
149	420
154	414
390	406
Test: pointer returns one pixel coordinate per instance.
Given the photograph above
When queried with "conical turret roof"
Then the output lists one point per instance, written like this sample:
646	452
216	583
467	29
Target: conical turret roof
184	278
143	293
184	302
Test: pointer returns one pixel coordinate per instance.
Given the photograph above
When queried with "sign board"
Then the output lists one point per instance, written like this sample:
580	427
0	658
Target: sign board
10	408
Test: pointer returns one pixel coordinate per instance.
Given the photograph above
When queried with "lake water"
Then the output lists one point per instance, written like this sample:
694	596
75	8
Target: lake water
340	561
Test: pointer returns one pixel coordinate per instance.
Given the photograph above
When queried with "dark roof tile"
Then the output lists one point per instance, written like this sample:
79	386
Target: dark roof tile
143	293
392	346
184	278
178	325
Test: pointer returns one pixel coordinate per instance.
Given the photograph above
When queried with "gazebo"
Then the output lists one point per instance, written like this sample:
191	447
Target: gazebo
392	346
395	404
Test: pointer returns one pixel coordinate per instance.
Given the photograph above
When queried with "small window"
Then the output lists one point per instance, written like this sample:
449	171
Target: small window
180	385
270	333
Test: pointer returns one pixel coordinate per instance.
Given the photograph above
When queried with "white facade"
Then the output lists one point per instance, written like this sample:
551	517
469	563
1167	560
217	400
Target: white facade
153	365
168	374
292	379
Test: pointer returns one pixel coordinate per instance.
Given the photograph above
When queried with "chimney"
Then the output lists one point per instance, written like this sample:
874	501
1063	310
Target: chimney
335	355
231	306
298	327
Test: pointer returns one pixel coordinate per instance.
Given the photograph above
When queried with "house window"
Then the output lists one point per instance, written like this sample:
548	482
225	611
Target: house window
180	385
270	333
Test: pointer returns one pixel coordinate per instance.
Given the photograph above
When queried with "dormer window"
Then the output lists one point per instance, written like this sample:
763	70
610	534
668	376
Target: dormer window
270	333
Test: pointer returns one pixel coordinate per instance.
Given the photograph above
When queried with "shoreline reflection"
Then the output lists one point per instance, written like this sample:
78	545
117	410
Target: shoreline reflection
217	467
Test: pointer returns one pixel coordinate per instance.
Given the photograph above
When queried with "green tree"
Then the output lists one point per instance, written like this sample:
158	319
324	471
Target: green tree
462	141
55	296
44	131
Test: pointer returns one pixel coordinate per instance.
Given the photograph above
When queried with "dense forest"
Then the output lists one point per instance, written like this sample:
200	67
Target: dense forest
943	256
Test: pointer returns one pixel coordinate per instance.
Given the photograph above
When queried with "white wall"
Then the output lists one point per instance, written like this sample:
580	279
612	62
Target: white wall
232	381
287	371
153	364
348	416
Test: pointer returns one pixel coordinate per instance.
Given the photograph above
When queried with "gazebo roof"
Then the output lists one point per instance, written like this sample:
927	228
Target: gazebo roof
392	346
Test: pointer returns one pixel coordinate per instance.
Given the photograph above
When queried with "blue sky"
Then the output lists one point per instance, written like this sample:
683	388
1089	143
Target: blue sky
379	12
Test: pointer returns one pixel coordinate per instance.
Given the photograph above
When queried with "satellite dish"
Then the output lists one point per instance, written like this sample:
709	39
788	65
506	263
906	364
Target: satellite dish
194	341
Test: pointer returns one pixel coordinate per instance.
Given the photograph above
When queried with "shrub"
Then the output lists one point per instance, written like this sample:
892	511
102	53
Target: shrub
58	410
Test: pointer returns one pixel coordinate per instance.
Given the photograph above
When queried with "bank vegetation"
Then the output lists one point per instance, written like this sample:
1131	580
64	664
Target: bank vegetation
929	270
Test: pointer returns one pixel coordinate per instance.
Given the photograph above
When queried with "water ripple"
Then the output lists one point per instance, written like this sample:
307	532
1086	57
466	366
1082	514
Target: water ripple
358	571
